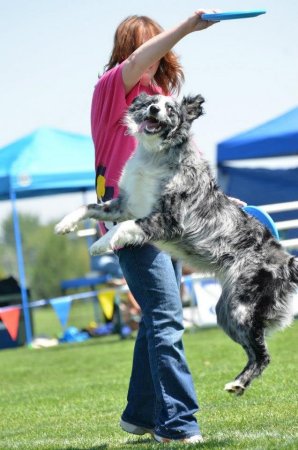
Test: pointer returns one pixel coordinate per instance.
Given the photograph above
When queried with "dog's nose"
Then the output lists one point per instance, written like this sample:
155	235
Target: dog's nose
154	109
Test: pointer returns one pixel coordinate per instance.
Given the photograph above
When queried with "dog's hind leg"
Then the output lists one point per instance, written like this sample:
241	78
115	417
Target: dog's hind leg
241	328
254	344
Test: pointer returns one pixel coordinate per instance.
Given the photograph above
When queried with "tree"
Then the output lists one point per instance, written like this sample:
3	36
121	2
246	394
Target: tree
59	257
48	258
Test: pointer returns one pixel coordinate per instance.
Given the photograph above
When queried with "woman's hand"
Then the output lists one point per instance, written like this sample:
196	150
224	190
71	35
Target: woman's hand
196	23
237	202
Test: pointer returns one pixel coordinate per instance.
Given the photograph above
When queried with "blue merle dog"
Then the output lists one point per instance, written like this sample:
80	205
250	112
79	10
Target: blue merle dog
168	196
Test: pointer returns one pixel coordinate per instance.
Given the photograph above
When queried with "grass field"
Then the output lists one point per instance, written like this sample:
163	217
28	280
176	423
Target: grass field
71	396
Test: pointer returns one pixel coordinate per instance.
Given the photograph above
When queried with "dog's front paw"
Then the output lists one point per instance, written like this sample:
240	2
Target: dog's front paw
70	222
235	387
65	227
100	247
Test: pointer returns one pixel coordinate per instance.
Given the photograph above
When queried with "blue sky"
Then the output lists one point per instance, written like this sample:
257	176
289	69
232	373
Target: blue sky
52	50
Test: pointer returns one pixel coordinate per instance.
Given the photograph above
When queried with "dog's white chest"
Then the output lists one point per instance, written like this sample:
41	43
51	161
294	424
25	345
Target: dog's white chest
141	183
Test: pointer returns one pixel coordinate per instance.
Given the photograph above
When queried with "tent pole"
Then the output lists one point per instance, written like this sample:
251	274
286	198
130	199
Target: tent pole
21	267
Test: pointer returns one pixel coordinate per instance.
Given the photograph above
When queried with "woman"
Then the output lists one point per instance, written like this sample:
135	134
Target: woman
161	398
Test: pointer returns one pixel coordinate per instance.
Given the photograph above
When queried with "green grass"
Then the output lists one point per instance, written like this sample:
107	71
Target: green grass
71	396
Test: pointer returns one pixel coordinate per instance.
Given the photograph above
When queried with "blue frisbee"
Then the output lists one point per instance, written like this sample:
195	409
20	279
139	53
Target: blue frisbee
264	218
230	15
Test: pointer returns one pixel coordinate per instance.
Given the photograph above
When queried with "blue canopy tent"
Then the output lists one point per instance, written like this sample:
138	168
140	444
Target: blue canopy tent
260	166
46	162
278	137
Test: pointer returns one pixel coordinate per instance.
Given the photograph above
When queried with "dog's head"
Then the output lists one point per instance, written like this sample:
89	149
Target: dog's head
162	118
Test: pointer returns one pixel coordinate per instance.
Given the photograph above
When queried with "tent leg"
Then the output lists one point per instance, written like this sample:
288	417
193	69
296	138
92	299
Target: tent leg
21	268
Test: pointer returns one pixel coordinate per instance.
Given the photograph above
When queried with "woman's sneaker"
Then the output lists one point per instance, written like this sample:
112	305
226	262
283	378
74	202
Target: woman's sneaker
134	429
190	440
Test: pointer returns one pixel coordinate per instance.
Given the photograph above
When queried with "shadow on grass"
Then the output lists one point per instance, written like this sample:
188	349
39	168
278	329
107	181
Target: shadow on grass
148	443
105	446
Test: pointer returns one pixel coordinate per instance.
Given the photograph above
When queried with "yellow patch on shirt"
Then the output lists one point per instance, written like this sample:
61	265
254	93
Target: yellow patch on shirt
100	186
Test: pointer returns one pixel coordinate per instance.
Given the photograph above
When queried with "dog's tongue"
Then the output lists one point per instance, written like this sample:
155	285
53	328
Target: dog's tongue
149	124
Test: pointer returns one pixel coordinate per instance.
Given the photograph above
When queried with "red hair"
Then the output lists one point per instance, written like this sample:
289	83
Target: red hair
131	33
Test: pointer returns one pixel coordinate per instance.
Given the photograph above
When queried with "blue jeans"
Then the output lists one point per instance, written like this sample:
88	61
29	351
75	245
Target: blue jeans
161	393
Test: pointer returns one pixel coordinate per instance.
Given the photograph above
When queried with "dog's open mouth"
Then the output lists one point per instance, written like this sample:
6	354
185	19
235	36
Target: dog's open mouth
150	125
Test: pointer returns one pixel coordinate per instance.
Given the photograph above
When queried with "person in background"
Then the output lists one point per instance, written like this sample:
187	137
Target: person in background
161	397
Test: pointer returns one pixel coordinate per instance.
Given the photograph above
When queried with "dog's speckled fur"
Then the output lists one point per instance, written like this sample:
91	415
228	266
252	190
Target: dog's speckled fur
169	196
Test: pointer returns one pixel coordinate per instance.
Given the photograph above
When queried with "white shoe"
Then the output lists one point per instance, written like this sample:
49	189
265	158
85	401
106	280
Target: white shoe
134	429
197	438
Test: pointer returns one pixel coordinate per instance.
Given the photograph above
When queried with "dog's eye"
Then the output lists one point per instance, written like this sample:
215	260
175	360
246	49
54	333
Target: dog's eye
170	108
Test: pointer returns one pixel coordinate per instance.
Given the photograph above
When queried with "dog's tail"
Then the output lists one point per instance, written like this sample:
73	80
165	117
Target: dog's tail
293	267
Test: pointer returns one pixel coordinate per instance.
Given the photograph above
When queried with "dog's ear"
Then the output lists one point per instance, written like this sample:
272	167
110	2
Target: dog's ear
192	107
138	102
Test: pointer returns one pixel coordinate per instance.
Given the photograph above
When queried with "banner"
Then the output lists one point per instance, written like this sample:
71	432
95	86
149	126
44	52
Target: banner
11	317
106	300
61	306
